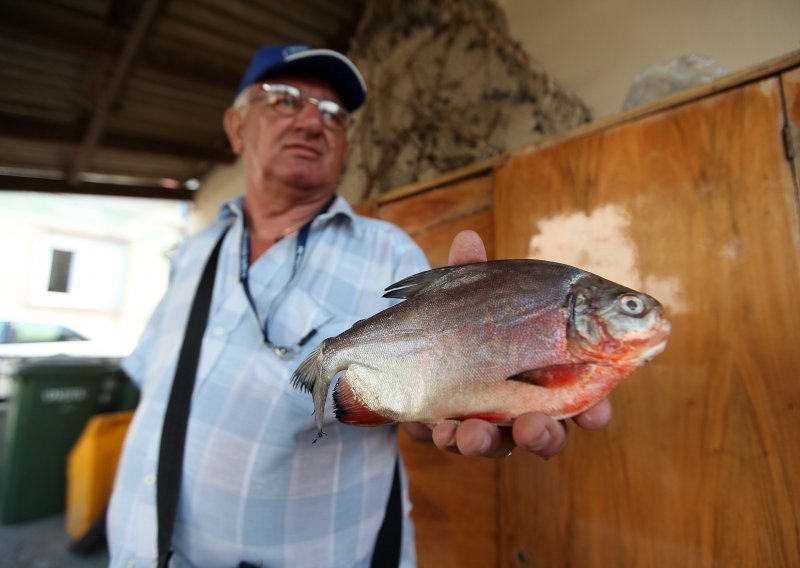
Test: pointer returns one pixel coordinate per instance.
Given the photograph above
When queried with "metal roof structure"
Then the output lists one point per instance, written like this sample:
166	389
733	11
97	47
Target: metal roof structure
126	97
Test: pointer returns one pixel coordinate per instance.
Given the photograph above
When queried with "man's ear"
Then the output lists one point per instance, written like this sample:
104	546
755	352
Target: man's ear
232	121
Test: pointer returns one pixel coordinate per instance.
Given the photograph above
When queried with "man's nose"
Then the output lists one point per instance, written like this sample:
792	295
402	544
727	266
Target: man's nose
310	118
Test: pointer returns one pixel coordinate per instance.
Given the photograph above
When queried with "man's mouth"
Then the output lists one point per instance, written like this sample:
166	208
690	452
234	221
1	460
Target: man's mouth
304	149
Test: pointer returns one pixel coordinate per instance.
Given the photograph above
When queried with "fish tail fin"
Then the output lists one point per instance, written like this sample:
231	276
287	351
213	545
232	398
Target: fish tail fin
308	371
312	376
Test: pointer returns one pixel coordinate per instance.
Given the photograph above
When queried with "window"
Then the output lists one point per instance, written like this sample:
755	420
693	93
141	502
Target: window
59	271
77	272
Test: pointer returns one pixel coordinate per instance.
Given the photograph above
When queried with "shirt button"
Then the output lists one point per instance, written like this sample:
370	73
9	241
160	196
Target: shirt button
150	479
218	331
130	564
231	278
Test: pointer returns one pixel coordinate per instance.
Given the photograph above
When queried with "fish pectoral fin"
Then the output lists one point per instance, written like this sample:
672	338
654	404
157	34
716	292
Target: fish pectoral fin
349	410
553	376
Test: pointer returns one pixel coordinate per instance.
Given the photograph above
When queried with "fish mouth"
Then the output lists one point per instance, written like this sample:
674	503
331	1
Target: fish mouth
652	351
658	342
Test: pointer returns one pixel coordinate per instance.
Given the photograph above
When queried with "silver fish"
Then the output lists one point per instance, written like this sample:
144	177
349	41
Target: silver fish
490	340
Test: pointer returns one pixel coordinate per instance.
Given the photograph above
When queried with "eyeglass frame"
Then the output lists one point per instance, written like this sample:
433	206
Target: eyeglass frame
333	108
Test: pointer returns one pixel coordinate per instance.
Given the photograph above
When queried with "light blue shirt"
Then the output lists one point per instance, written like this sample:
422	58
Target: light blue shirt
254	486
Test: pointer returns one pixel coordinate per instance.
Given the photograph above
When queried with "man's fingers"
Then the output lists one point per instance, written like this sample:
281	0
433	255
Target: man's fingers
479	438
539	434
444	436
467	248
596	418
473	438
533	431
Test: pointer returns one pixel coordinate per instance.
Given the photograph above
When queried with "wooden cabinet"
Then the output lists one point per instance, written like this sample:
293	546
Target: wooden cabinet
695	200
697	205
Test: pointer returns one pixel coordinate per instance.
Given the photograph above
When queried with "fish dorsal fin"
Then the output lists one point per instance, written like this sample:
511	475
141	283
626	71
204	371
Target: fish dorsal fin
413	285
553	376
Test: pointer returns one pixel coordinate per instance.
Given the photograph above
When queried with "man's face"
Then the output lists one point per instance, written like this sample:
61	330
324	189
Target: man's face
299	151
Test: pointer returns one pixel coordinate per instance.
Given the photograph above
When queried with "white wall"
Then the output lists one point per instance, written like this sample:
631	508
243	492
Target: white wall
595	48
222	184
124	241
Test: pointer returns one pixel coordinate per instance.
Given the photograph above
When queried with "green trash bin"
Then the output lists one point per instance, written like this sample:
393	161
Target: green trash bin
51	401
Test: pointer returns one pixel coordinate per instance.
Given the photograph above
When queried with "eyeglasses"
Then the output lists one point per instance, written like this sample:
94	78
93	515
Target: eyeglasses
290	101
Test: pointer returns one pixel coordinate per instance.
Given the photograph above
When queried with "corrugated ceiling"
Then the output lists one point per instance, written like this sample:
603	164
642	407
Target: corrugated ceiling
125	97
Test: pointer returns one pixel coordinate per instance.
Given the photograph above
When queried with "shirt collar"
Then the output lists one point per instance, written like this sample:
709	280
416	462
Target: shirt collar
234	209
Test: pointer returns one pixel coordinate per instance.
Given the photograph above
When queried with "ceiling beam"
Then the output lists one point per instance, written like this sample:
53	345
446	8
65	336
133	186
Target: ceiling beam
122	69
20	183
69	31
38	130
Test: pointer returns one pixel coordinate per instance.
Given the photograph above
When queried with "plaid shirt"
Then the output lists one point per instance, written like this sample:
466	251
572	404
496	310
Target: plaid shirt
254	487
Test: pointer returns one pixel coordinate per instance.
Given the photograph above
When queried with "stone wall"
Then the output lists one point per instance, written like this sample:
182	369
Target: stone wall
447	87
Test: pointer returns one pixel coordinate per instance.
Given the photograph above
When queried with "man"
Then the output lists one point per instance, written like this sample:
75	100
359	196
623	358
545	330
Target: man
295	266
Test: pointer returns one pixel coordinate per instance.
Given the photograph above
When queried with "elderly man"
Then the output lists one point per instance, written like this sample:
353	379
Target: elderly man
218	467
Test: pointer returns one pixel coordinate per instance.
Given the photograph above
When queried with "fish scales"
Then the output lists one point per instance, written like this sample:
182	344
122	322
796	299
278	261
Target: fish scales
492	340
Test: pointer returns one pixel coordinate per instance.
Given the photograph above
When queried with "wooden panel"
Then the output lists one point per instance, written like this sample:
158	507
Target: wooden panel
791	94
454	498
423	211
699	467
454	507
436	241
366	208
435	216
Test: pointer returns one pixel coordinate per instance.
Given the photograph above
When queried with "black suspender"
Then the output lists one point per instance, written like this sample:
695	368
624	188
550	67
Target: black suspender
390	537
173	437
173	432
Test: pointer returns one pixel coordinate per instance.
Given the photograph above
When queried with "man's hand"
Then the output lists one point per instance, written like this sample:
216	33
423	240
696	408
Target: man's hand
533	431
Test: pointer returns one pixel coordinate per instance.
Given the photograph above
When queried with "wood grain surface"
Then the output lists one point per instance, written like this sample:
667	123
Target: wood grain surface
790	82
697	205
434	217
455	505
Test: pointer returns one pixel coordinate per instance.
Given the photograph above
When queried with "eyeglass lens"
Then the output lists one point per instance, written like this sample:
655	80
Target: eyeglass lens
290	101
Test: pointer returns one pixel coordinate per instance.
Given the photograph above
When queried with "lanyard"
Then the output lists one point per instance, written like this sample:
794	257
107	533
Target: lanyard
284	352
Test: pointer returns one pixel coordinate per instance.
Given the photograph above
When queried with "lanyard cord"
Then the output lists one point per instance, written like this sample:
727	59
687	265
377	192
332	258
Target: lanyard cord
299	254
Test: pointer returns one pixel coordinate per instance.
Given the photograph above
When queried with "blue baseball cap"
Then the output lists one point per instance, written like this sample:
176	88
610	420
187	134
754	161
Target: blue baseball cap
325	63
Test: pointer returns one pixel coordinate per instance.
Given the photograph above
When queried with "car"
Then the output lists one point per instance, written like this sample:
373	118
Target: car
36	332
24	340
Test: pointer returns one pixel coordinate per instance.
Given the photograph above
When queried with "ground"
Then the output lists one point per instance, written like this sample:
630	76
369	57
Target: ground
43	544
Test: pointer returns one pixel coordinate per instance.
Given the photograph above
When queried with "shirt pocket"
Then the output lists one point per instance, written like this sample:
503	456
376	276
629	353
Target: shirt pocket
302	319
300	322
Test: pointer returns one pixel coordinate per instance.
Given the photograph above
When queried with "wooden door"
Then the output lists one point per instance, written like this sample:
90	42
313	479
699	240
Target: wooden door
701	465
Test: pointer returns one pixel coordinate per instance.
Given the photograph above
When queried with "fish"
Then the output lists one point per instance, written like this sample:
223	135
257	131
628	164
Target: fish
489	340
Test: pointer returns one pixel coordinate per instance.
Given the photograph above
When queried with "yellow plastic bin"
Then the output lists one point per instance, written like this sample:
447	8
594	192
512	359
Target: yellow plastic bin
91	466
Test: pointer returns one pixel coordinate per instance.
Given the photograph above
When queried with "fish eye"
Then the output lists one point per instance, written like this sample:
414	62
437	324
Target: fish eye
631	305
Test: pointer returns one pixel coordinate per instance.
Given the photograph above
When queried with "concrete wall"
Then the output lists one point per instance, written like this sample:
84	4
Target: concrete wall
222	184
595	49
